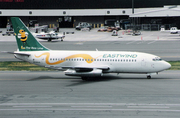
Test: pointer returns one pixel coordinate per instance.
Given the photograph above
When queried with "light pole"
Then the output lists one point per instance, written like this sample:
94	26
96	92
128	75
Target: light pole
132	17
132	6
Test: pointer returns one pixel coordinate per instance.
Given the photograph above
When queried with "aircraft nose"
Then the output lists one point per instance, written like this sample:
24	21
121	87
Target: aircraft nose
167	65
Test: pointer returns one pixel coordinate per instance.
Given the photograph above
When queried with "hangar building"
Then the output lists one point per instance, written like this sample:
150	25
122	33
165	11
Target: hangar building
68	13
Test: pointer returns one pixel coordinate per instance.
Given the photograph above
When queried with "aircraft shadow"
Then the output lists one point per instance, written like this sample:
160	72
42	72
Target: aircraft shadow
76	81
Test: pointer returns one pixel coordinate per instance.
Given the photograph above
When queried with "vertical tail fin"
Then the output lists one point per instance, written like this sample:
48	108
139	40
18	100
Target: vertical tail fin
25	40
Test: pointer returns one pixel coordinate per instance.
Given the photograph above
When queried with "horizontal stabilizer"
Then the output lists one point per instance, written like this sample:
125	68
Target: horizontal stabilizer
19	53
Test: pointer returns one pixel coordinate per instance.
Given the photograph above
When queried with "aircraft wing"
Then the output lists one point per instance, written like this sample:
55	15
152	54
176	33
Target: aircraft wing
78	68
91	71
85	67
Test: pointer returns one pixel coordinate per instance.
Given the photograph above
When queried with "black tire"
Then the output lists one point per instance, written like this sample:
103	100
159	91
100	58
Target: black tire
148	77
84	78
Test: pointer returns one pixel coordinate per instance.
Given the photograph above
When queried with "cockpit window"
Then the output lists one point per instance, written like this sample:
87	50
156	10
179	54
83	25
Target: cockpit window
157	59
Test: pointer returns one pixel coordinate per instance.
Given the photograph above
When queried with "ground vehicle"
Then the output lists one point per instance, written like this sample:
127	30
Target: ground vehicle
102	29
82	25
42	32
114	33
136	33
110	29
174	30
49	36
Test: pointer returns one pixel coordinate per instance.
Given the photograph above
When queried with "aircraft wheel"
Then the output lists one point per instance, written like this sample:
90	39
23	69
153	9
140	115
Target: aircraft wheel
148	77
84	78
49	40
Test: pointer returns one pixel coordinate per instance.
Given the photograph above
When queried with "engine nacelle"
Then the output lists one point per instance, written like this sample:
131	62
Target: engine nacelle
93	73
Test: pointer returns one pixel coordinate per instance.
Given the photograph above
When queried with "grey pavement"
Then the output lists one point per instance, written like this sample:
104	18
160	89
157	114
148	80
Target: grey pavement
93	35
47	94
52	94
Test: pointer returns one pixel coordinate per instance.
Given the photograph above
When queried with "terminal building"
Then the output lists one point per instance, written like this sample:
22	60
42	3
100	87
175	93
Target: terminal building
147	15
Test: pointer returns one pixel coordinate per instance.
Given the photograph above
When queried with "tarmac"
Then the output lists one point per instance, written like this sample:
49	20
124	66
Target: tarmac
47	94
94	35
44	94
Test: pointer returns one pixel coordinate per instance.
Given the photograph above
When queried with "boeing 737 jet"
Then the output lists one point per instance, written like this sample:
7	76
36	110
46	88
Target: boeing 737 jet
84	64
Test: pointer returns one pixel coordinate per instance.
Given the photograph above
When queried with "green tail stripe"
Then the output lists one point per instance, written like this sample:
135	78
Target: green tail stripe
25	40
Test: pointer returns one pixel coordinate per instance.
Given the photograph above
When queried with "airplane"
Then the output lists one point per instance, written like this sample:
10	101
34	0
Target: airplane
41	32
85	64
48	36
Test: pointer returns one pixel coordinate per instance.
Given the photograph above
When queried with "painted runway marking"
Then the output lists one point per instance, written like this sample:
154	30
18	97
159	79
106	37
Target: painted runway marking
79	43
85	104
152	42
32	106
141	42
56	109
90	106
149	107
132	42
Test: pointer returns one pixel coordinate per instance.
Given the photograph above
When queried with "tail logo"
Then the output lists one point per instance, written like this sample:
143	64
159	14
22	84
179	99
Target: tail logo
23	36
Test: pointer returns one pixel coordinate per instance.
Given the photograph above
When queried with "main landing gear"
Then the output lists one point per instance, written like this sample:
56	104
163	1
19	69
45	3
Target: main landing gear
84	78
149	77
49	40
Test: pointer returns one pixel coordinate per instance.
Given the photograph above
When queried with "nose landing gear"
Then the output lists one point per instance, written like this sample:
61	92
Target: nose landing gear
149	75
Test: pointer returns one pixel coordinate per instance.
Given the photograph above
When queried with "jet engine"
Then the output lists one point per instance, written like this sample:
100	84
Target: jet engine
84	72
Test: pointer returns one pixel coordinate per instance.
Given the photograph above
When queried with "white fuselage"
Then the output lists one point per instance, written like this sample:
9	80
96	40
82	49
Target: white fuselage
116	62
